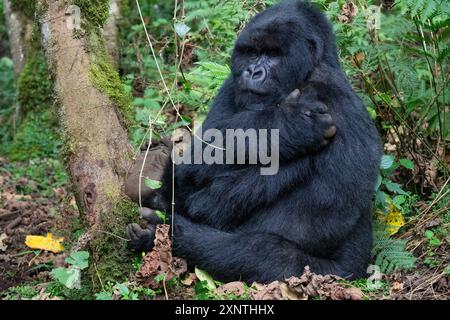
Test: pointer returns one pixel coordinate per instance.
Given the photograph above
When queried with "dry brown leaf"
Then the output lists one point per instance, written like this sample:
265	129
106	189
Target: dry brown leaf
323	286
160	261
271	291
236	287
349	11
190	280
3	238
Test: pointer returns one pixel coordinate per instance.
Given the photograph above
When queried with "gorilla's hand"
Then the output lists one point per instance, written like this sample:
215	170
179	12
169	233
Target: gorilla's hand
316	117
140	240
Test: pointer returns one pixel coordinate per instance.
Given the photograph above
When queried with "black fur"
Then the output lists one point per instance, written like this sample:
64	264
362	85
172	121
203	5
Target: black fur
238	224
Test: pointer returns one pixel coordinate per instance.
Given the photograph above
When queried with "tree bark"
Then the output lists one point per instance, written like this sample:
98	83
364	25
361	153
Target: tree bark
98	154
19	33
111	30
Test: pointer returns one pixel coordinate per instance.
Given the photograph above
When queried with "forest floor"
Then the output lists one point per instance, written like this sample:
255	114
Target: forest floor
28	207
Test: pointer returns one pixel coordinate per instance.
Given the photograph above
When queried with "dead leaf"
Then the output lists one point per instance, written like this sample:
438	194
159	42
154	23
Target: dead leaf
48	243
160	261
271	291
323	286
349	11
3	246
236	287
190	280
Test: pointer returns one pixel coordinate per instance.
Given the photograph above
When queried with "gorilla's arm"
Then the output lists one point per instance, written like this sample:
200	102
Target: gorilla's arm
304	124
229	193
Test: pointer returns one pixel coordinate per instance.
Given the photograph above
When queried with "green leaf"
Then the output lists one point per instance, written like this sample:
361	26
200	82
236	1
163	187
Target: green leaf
408	164
103	296
386	162
204	276
69	277
79	259
399	200
394	187
181	29
379	180
153	184
435	242
162	215
123	289
429	234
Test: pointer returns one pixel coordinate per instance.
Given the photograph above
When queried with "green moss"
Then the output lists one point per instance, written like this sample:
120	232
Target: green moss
106	79
34	85
112	256
96	12
27	7
37	137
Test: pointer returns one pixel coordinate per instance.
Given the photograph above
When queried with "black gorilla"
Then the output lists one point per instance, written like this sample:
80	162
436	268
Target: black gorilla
238	224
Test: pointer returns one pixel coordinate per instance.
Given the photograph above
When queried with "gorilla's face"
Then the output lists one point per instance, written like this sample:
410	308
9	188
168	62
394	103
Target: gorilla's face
272	57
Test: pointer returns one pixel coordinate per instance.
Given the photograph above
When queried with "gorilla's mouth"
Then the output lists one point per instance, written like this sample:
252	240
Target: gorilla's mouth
256	92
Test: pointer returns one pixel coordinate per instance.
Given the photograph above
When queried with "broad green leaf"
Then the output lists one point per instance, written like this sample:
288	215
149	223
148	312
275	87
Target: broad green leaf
79	259
204	276
399	200
435	242
394	187
379	180
386	162
429	234
181	29
408	164
123	289
69	277
153	184
103	296
162	215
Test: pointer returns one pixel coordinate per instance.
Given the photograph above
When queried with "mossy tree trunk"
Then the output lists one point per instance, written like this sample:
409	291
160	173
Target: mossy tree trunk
111	30
19	23
19	27
93	113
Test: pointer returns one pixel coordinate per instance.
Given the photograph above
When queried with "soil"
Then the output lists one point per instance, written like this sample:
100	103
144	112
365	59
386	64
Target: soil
30	214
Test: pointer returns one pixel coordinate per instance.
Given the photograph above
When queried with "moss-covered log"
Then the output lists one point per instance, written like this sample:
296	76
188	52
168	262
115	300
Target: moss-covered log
93	111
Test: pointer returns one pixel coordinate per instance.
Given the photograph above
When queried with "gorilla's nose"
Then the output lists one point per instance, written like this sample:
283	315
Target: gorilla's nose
254	74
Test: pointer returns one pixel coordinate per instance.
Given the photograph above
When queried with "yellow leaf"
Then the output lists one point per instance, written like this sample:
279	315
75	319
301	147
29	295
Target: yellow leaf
394	220
48	243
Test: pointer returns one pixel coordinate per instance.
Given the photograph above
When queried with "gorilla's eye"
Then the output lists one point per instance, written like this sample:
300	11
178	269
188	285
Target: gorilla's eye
273	52
247	50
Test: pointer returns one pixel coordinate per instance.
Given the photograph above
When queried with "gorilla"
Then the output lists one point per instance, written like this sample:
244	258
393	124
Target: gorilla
317	210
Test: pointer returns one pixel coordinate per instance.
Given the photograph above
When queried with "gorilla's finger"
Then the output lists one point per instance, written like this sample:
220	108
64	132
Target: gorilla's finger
326	118
293	96
150	216
330	133
322	108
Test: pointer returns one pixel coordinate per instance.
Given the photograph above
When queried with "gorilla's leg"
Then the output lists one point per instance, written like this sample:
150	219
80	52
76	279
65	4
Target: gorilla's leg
252	256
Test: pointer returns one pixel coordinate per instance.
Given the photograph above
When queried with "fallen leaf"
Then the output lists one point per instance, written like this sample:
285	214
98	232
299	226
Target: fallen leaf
394	220
236	287
190	280
160	262
3	246
271	291
48	243
323	286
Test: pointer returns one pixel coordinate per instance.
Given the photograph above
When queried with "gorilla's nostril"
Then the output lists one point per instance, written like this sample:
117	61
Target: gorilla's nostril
258	75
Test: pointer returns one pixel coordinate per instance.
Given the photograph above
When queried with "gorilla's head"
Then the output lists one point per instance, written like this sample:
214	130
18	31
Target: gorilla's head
278	50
